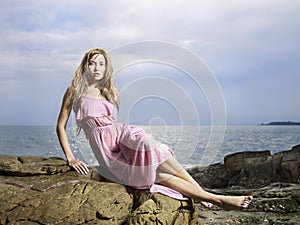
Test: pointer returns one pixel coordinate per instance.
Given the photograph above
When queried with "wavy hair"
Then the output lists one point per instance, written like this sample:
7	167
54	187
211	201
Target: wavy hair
79	83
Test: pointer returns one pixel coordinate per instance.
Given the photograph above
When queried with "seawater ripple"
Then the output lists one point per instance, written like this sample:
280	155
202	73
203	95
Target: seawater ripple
42	141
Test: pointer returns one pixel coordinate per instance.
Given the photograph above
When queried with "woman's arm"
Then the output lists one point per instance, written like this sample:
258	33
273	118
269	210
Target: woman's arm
61	125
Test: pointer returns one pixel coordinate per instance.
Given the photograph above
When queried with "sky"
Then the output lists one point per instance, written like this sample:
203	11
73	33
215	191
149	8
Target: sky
249	51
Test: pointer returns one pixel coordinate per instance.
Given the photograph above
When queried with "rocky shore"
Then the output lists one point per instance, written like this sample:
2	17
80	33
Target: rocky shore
273	181
37	190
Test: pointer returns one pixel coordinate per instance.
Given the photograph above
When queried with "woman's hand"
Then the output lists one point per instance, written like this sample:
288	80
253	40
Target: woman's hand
79	166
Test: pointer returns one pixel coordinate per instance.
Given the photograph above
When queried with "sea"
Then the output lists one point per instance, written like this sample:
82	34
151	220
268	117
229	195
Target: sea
193	145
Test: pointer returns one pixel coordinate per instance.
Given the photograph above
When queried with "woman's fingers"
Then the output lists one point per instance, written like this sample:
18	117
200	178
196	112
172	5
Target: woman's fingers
79	166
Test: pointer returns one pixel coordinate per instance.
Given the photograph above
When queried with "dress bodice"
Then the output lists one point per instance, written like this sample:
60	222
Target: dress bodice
95	113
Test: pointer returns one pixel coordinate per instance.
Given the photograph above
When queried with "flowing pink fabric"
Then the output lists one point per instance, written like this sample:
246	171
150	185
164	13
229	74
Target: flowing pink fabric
126	154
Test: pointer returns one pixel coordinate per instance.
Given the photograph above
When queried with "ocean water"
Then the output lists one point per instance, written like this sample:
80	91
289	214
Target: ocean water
192	145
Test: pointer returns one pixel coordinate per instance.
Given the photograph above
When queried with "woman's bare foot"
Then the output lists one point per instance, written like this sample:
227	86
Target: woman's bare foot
235	202
206	204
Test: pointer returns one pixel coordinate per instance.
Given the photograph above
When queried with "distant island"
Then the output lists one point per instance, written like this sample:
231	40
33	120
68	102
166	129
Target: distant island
280	123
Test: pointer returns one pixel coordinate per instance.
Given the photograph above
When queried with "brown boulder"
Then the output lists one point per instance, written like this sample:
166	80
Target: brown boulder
251	169
31	165
204	175
37	190
257	169
286	166
152	209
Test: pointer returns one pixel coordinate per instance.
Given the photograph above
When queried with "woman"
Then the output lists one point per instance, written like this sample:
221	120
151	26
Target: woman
126	154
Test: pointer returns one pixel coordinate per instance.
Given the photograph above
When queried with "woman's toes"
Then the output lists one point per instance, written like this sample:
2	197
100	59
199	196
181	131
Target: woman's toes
206	204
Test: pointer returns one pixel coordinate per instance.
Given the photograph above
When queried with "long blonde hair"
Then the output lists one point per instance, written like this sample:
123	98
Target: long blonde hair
79	83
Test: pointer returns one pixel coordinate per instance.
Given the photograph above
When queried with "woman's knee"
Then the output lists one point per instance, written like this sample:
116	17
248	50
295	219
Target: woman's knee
171	166
162	176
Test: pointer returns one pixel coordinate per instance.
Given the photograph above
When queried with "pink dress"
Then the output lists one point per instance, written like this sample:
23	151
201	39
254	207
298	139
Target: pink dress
126	154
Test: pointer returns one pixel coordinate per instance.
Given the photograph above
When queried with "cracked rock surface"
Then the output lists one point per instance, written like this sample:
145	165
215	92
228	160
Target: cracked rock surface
36	190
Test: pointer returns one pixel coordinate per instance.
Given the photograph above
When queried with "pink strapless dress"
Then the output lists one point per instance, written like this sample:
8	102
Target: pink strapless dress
126	154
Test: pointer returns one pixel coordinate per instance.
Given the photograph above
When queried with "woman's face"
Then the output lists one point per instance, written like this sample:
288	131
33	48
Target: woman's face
96	67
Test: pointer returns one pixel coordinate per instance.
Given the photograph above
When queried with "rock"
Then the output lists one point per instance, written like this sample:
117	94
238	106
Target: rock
249	168
277	203
273	180
203	175
62	199
31	165
286	166
159	209
38	190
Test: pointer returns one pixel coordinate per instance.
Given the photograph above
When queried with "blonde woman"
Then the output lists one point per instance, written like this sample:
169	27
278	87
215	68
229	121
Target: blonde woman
126	154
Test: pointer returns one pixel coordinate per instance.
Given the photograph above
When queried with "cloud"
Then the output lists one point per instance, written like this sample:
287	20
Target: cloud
246	44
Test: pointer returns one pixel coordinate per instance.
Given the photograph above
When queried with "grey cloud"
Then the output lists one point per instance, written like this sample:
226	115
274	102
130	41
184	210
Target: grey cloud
242	41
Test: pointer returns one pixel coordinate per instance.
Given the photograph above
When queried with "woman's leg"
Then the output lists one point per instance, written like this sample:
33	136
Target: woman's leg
173	175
